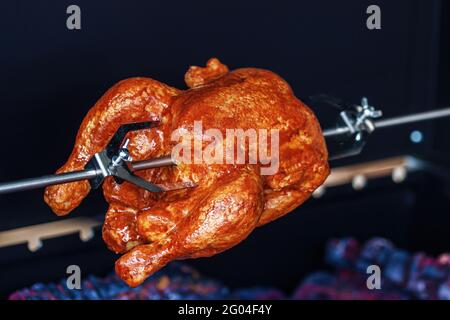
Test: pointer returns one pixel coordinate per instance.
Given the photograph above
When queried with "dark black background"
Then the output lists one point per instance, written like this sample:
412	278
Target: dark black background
51	76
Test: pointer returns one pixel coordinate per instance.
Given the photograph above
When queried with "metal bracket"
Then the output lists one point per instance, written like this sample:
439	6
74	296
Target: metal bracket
357	121
112	161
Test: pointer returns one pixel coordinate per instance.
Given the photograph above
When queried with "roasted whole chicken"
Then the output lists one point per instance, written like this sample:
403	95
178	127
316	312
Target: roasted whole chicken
229	200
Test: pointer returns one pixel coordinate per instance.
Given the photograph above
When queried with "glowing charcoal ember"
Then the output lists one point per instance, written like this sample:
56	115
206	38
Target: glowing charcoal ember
396	269
444	290
342	253
420	281
175	282
404	276
342	286
374	252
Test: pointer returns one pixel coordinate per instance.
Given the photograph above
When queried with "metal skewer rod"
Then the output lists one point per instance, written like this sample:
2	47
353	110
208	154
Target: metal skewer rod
153	163
417	117
52	179
34	183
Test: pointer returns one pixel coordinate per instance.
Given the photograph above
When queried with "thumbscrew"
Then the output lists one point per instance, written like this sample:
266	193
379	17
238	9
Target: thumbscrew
123	155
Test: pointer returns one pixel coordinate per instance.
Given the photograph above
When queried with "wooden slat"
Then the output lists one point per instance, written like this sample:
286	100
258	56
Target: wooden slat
33	235
370	170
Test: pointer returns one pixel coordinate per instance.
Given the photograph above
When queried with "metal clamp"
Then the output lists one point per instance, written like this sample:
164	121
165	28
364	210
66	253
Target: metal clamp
360	119
358	123
113	160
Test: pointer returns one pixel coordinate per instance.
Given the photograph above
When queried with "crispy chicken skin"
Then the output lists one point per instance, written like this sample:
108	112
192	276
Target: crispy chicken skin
230	200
